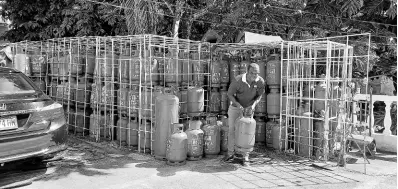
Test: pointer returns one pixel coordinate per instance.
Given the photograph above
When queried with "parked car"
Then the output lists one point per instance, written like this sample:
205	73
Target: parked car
31	123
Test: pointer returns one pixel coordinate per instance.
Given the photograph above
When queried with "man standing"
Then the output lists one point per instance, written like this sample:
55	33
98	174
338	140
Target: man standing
244	92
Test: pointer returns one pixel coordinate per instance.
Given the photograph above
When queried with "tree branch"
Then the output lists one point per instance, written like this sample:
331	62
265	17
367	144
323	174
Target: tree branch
168	6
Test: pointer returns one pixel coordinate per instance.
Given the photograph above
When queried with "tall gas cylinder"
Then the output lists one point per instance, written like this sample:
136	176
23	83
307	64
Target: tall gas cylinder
320	95
125	62
63	92
186	70
224	101
233	69
166	113
305	132
38	62
80	121
290	104
261	61
211	138
177	146
245	132
171	68
215	72
78	61
98	123
90	61
22	62
149	69
121	129
81	93
273	71
183	96
244	64
123	97
195	101
108	94
197	69
224	134
224	71
319	139
260	130
145	134
273	103
215	101
108	64
195	140
308	92
148	99
261	108
132	132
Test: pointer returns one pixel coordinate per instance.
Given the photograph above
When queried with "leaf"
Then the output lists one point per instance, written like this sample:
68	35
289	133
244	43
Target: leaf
351	7
392	11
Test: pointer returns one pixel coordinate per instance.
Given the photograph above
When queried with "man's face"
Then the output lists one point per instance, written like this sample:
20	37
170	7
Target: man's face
252	73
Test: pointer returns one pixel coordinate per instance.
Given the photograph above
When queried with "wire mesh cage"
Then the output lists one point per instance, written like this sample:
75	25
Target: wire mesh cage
317	95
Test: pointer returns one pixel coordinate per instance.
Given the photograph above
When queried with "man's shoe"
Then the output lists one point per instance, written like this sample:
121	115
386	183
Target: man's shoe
228	158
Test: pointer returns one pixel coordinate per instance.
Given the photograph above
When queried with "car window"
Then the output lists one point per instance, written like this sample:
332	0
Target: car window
14	83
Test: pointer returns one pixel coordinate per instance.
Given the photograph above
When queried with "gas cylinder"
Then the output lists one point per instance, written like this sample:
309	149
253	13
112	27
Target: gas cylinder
308	92
81	93
71	120
318	136
149	72
261	108
81	121
334	104
40	83
145	135
224	101
233	69
320	92
95	95
224	71
59	65
261	61
90	61
260	130
224	134
183	96
305	132
148	98
215	101
63	92
38	62
291	102
108	95
195	101
171	68
166	113
98	123
211	138
125	63
78	61
198	70
132	132
121	129
177	144
244	64
186	68
94	124
160	60
277	136
195	140
273	103
108	64
22	62
245	132
123	98
273	71
133	101
215	72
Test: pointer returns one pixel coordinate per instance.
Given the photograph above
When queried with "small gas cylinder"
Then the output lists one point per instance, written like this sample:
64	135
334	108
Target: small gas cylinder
233	69
224	101
261	108
132	132
320	92
195	140
63	92
108	94
22	62
245	132
260	130
215	73
273	70
273	103
125	62
166	113
224	134
224	71
145	135
211	138
98	123
277	135
183	96
108	64
177	146
59	65
81	93
195	101
244	64
78	61
80	121
40	83
215	101
122	98
90	61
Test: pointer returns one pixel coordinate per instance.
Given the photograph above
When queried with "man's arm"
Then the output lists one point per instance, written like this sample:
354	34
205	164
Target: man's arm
260	92
233	88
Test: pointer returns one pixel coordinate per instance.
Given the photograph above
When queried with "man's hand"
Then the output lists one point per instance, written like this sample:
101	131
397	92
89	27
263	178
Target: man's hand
238	105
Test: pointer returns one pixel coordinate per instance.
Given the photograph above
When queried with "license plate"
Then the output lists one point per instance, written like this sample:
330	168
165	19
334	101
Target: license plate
8	123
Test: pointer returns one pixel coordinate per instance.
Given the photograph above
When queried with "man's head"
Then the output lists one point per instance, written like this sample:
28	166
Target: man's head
252	72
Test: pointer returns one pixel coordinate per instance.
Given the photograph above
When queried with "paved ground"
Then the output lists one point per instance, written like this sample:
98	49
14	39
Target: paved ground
95	165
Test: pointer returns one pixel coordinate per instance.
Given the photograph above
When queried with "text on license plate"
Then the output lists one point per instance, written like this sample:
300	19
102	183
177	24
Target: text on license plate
8	123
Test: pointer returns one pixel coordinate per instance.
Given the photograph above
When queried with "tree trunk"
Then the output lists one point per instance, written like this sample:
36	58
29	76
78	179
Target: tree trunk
177	17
